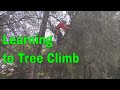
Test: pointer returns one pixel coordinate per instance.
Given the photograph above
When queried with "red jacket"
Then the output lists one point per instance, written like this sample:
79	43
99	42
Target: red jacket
61	25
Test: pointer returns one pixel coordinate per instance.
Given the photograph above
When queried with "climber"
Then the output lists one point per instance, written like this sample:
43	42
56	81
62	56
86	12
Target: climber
62	26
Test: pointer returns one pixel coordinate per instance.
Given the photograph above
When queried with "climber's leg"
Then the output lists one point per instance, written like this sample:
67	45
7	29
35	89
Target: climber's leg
58	38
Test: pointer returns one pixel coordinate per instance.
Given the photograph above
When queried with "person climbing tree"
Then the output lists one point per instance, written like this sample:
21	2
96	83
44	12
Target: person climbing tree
62	26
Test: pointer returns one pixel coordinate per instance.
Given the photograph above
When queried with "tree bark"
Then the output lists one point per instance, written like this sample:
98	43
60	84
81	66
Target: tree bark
35	68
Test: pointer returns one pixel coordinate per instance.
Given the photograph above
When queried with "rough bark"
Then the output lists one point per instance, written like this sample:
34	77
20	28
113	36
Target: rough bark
97	46
37	50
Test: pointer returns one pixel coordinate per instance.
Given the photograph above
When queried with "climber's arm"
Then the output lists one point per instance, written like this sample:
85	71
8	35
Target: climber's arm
67	27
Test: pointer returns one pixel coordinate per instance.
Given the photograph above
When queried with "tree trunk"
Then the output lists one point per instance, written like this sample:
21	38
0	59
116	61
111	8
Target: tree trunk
37	50
96	45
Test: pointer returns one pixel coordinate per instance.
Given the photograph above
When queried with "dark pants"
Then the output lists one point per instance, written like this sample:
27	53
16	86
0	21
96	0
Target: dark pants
59	38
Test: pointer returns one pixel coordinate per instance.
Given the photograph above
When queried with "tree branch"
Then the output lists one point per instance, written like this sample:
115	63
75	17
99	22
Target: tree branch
20	20
55	18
